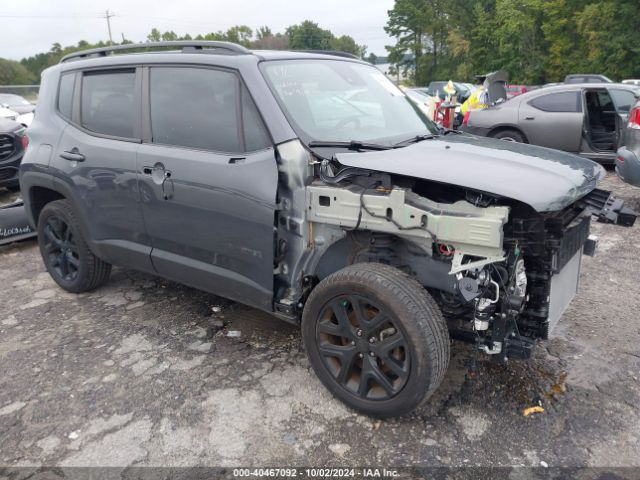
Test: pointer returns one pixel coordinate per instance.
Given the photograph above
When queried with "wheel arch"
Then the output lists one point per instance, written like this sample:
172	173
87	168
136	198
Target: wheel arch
505	127
39	197
393	250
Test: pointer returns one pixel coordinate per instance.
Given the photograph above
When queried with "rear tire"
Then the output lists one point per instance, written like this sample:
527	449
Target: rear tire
376	339
509	136
65	252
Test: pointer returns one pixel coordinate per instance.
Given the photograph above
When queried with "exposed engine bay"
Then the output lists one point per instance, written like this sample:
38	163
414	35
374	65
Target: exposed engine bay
501	272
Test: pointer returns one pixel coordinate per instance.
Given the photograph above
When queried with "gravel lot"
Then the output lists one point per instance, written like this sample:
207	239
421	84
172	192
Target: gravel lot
137	373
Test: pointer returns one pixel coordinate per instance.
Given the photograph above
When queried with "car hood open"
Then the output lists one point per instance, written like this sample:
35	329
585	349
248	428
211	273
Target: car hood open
545	179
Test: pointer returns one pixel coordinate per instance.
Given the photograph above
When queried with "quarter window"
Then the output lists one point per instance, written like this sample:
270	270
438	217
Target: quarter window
201	108
65	94
108	105
558	102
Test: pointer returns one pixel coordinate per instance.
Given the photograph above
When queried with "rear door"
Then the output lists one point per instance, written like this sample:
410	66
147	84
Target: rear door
95	161
624	99
208	174
553	120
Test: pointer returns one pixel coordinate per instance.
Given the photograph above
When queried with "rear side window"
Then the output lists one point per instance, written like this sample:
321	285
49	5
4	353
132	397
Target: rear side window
107	105
558	102
65	94
624	99
201	108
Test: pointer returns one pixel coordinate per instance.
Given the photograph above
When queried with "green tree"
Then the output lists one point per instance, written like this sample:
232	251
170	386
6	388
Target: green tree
308	36
14	73
610	29
521	47
240	34
154	36
347	44
169	36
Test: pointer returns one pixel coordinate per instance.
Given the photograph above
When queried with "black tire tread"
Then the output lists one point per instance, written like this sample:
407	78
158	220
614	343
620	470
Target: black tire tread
511	131
422	309
98	271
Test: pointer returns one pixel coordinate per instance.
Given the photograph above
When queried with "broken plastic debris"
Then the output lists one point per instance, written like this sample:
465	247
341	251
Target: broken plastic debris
216	309
73	435
528	411
233	333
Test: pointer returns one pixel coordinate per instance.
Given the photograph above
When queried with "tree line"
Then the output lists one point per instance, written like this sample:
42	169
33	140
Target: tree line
536	41
307	35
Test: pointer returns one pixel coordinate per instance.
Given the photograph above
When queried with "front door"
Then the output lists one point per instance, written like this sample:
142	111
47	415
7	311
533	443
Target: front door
208	178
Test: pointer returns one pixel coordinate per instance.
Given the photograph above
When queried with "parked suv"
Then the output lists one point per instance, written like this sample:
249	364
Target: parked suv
12	144
307	185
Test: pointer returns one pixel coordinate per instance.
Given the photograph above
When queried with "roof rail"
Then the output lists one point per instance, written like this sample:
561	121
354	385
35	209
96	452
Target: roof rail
186	45
335	53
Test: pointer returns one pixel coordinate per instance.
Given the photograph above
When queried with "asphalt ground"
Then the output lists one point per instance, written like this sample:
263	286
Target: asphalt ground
146	372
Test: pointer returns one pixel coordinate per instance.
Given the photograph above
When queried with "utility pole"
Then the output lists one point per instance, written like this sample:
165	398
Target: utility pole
108	15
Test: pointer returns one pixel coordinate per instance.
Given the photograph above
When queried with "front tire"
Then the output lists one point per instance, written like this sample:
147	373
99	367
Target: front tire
376	339
65	252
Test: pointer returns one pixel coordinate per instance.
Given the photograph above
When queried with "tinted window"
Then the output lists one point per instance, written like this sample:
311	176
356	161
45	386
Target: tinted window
558	102
255	135
198	108
107	103
65	94
624	99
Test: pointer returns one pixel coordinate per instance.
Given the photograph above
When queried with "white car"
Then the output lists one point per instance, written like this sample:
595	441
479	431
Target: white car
25	119
8	114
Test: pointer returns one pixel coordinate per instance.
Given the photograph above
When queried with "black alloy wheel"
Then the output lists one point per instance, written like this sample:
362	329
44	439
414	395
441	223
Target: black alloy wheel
61	248
65	252
376	339
363	348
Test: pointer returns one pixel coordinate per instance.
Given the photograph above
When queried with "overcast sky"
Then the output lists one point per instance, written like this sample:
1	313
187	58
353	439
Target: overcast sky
32	26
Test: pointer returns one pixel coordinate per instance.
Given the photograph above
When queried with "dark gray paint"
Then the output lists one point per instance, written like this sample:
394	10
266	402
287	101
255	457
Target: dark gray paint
545	179
217	219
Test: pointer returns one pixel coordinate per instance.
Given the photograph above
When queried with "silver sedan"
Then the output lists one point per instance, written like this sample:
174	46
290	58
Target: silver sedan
580	118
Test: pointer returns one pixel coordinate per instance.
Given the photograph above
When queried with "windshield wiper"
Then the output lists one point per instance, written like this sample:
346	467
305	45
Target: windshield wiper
415	139
351	145
446	131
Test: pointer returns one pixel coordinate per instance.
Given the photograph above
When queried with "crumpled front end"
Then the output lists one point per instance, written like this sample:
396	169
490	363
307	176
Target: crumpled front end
502	272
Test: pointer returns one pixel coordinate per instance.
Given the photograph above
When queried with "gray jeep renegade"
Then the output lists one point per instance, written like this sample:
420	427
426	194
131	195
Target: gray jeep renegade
307	185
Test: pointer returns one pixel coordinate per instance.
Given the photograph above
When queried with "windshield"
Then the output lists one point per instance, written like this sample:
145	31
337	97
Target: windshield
333	100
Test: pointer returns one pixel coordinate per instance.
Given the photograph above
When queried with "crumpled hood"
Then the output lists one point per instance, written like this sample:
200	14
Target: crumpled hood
545	179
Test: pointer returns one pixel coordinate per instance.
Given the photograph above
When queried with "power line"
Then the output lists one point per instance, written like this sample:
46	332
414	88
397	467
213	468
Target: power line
47	16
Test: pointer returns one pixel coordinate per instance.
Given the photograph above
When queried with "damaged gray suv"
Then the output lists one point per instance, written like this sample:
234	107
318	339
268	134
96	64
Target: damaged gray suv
307	185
